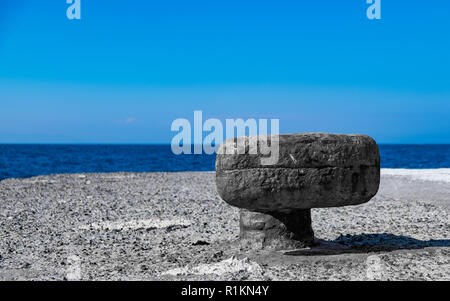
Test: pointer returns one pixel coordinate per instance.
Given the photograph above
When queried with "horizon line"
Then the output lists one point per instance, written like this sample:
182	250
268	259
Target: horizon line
163	144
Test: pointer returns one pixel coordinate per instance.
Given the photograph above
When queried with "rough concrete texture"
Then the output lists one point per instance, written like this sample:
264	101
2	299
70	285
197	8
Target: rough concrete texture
314	170
174	226
277	230
304	150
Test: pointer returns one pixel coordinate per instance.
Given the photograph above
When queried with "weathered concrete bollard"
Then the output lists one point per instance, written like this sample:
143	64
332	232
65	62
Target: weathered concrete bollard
314	170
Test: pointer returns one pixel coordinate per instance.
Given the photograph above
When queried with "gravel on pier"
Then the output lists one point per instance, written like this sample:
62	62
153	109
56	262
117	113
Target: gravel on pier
174	226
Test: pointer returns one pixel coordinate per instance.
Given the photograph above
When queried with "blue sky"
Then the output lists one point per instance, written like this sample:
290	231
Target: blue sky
127	69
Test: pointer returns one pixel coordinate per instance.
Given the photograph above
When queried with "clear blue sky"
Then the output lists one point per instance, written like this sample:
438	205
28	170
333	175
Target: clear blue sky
128	68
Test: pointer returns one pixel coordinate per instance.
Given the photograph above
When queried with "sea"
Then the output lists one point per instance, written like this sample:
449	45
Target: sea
28	160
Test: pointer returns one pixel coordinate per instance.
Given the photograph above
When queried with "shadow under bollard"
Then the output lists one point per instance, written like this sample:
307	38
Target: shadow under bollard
368	243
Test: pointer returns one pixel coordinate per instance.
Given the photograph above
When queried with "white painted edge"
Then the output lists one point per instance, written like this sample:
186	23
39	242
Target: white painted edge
137	224
435	175
230	265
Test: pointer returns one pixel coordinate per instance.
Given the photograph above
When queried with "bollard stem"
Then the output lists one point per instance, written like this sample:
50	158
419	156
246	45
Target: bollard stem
276	230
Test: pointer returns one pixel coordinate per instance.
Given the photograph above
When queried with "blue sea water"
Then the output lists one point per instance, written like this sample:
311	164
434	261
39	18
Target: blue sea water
20	161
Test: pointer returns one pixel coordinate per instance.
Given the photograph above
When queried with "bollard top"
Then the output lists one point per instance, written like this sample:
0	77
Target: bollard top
312	170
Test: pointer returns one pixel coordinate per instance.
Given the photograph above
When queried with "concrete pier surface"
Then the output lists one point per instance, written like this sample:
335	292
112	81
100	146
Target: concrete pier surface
174	226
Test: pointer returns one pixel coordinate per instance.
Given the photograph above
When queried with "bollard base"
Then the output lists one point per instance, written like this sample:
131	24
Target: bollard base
276	230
